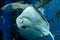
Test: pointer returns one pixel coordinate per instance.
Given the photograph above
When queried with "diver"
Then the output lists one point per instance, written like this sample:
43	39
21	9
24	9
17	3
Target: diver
31	24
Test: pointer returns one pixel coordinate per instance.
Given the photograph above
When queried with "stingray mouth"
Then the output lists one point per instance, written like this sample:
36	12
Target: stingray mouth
24	27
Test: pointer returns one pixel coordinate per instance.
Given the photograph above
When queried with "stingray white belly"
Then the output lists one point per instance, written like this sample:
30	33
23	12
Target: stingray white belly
35	25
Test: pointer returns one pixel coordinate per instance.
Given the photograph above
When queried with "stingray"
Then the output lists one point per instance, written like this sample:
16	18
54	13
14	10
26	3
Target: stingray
32	24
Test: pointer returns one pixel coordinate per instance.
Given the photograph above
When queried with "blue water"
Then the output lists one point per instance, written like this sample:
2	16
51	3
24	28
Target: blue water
50	13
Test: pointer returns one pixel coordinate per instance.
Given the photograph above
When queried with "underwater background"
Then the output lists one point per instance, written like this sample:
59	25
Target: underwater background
51	12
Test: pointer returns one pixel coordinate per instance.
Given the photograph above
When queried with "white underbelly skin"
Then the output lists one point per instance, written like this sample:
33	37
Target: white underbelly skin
35	25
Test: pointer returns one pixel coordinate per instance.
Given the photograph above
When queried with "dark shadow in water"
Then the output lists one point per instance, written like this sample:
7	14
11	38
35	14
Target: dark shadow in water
1	35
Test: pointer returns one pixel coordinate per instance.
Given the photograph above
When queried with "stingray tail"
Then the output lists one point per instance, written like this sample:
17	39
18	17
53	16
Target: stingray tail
51	35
